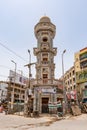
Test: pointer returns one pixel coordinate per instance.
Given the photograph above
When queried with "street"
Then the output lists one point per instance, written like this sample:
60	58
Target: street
15	122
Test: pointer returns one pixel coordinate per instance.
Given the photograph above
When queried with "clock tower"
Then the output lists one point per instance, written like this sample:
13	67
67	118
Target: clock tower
45	88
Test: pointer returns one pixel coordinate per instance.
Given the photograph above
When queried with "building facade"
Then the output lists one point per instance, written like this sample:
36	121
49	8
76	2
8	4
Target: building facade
76	77
70	80
81	69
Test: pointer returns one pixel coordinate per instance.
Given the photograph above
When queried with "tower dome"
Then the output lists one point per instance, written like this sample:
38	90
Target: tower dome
45	25
45	19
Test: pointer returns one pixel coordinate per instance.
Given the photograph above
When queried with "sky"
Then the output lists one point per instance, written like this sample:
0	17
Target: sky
17	21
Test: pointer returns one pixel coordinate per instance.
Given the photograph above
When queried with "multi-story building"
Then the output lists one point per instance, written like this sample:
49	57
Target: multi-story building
16	87
13	90
81	69
76	77
70	81
12	93
70	84
81	60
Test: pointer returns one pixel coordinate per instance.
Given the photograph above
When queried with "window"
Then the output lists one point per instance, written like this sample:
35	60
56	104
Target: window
45	39
73	79
70	74
74	86
45	70
83	64
68	82
73	72
83	56
45	76
45	54
86	86
45	59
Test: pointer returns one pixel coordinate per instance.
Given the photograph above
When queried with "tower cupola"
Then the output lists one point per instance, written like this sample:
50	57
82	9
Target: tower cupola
43	26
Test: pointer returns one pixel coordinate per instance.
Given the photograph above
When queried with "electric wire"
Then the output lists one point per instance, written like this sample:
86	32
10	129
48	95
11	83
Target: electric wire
3	76
12	51
6	67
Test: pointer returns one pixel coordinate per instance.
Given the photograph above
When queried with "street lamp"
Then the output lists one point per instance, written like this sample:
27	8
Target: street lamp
29	67
27	108
28	90
64	89
12	98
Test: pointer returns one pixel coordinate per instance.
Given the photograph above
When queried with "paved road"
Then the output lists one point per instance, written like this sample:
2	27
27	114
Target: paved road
13	122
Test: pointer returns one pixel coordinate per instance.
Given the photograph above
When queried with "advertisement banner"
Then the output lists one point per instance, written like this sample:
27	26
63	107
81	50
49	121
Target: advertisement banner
71	95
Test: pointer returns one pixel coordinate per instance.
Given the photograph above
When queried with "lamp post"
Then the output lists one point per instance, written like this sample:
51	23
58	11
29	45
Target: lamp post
29	68
27	109
64	89
20	96
12	97
29	87
21	81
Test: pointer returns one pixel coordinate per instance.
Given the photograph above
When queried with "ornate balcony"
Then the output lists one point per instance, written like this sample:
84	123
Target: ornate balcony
46	82
35	50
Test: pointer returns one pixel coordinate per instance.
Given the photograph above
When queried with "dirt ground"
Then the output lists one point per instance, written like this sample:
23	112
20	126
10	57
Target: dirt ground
15	122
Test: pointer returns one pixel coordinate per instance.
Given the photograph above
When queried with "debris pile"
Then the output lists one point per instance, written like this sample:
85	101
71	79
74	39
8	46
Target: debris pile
75	110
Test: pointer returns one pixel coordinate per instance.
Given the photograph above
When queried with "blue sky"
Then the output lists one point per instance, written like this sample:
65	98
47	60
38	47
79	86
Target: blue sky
17	21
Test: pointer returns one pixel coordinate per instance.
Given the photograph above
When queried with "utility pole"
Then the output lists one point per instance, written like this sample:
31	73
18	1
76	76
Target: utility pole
20	98
21	74
64	89
27	109
12	95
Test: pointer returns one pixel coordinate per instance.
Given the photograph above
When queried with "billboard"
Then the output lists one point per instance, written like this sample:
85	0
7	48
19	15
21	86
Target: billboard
17	78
